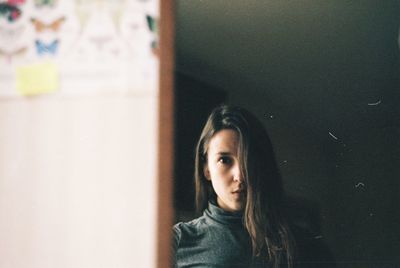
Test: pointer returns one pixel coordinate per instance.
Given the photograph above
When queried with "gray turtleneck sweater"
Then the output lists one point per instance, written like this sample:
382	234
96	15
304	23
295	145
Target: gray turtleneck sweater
216	239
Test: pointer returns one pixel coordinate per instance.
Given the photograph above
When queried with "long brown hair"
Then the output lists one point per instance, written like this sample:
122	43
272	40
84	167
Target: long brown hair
263	214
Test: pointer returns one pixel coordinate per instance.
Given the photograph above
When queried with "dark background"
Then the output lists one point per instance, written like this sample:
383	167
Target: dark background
323	76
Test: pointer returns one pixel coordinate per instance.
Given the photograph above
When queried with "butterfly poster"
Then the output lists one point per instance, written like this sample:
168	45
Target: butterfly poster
10	11
41	26
74	47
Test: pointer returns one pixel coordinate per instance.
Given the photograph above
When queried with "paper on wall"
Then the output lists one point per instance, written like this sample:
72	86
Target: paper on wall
37	78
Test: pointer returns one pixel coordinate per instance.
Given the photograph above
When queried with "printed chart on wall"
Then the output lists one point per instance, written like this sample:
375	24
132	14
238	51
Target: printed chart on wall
74	47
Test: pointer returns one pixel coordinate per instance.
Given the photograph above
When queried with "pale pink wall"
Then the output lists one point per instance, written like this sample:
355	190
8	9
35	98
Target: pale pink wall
77	181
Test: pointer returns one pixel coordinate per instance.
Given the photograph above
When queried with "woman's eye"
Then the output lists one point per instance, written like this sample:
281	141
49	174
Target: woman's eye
225	160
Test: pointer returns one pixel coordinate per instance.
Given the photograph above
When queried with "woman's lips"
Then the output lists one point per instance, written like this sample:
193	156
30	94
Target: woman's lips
238	194
238	191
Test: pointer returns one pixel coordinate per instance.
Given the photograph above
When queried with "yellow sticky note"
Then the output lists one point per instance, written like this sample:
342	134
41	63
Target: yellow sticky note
37	78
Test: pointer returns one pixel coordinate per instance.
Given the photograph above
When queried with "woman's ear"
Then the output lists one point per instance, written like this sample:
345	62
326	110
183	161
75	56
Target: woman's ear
206	172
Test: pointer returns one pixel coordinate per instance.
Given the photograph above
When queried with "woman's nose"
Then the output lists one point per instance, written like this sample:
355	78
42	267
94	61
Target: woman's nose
237	174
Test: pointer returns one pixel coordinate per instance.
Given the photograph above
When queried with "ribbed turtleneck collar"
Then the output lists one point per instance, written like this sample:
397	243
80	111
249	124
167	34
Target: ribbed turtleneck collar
221	216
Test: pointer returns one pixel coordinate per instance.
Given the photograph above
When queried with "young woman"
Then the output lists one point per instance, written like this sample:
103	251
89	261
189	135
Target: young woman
239	191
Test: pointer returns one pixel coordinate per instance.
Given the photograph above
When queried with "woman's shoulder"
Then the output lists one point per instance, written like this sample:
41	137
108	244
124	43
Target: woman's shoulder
190	227
188	231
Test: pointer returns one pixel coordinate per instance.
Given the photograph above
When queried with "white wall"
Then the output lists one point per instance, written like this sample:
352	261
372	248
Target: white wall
78	165
77	181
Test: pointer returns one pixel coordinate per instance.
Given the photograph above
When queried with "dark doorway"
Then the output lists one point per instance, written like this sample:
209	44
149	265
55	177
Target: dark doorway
194	101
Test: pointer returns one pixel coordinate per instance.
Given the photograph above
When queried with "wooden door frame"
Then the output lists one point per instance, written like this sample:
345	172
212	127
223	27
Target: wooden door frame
165	156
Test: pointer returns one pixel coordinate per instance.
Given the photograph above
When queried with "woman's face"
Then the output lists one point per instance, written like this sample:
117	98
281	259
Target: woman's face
223	170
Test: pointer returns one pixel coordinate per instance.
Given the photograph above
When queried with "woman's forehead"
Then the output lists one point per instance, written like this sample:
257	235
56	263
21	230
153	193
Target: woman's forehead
224	142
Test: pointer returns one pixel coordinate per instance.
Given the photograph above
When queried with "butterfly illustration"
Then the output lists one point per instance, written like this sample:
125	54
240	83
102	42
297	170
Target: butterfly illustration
11	12
16	2
114	8
41	26
10	34
152	23
9	54
99	41
42	3
42	48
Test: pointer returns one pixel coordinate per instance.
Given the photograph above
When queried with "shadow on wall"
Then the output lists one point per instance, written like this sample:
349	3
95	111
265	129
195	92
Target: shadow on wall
305	221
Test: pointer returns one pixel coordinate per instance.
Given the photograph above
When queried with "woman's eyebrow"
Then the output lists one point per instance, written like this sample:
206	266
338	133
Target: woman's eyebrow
224	153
